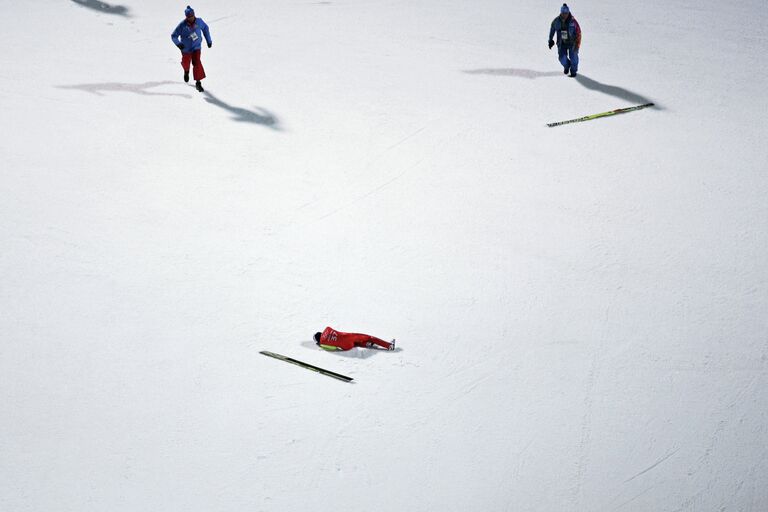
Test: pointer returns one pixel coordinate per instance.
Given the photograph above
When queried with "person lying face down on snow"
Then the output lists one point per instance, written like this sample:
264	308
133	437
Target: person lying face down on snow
331	339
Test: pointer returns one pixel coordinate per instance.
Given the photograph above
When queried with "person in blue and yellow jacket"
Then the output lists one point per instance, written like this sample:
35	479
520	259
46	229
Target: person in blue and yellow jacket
568	40
188	36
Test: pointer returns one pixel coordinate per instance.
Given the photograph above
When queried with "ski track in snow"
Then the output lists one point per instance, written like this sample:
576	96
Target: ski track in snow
652	465
371	192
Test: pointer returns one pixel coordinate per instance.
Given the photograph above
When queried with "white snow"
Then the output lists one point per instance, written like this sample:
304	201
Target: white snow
581	311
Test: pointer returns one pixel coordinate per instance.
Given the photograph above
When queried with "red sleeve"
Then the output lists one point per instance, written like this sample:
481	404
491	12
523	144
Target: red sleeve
578	34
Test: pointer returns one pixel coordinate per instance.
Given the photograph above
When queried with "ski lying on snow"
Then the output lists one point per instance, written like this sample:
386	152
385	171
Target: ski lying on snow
307	366
601	114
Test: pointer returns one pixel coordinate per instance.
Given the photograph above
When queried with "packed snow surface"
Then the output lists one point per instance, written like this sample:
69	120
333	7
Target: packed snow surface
581	311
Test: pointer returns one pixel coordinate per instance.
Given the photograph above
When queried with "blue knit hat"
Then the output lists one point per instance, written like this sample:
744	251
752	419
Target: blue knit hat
189	11
564	9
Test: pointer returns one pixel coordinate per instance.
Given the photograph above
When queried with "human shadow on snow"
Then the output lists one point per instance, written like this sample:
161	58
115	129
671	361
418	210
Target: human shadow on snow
612	90
98	5
355	353
262	117
585	81
142	89
519	73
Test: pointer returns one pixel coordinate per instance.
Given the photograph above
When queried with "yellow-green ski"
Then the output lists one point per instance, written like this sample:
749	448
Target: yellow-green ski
308	366
601	114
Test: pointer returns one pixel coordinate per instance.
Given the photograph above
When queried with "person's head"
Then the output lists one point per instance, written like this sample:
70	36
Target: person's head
189	13
317	337
564	11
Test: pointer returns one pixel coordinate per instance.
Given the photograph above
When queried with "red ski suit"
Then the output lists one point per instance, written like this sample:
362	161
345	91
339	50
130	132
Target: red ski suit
335	340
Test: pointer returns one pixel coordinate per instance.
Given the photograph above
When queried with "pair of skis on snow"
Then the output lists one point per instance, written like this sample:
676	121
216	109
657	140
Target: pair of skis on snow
308	366
601	114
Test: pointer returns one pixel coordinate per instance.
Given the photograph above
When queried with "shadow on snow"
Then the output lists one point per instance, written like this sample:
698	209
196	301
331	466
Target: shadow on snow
98	5
355	353
241	115
142	89
612	90
259	116
589	83
519	73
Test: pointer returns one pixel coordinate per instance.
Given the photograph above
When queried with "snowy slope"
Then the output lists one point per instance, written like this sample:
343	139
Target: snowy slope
581	311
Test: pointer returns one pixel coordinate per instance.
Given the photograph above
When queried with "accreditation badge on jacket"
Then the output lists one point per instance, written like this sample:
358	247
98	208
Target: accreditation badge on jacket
193	36
564	35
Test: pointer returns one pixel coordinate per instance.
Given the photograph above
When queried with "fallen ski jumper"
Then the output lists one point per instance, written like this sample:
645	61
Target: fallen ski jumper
331	339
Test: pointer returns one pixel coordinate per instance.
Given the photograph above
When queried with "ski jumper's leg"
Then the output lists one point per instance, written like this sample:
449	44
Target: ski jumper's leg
384	344
562	54
573	52
186	58
198	72
354	338
369	341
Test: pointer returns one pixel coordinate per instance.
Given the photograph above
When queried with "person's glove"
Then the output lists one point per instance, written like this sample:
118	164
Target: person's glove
181	46
551	44
210	44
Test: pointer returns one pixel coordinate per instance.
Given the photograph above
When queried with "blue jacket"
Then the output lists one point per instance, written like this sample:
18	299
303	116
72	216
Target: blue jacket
191	37
570	29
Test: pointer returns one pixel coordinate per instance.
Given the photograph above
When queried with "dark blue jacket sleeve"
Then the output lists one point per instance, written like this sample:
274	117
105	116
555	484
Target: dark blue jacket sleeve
552	29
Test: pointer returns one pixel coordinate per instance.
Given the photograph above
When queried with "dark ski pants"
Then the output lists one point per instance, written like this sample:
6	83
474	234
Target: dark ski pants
569	57
198	73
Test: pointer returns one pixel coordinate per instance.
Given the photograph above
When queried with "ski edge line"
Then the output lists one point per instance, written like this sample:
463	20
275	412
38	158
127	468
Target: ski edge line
308	366
601	114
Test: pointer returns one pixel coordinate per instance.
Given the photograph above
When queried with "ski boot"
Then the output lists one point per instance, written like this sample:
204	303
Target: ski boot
186	76
199	86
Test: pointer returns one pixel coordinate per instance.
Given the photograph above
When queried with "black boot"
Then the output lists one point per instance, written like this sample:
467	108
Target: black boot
186	76
573	74
199	86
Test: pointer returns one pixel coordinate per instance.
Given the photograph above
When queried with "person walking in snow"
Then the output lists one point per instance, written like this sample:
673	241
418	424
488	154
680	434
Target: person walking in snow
568	40
331	339
188	36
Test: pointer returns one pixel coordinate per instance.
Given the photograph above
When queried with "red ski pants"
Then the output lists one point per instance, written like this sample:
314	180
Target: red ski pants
349	340
198	73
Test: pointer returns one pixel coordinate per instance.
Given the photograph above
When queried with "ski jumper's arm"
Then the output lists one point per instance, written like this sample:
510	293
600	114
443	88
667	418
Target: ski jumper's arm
553	29
206	31
176	36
